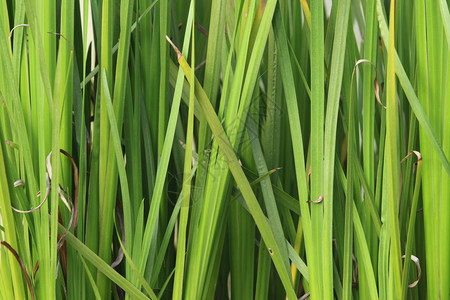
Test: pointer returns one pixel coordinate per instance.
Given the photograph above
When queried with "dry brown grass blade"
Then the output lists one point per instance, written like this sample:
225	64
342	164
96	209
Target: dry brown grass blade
59	34
305	296
36	268
22	266
201	29
62	250
61	239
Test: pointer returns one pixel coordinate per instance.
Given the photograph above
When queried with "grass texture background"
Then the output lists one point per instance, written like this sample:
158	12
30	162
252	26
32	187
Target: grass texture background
225	149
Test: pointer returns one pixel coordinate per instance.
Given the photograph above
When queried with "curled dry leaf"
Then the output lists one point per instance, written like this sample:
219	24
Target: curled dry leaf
355	271
38	195
76	188
416	260
15	27
64	195
417	153
375	81
19	183
318	200
118	259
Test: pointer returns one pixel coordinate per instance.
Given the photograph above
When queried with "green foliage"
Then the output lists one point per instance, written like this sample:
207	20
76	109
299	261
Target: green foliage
263	160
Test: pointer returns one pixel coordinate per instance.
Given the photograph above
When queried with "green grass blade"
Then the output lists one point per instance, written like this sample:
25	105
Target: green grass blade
187	179
368	121
163	51
445	201
337	68
392	165
325	287
165	241
445	19
91	279
298	262
348	225
263	274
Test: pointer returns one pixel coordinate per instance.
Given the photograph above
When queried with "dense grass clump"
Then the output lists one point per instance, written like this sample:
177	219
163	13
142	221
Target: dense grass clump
225	149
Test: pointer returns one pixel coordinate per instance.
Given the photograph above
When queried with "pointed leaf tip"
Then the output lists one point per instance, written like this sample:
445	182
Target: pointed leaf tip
179	55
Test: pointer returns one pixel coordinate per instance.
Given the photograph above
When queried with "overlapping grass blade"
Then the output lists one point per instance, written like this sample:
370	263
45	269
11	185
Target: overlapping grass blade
101	265
242	181
297	145
410	94
164	159
187	179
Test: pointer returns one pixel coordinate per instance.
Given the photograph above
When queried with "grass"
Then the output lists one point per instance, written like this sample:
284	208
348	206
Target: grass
270	157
